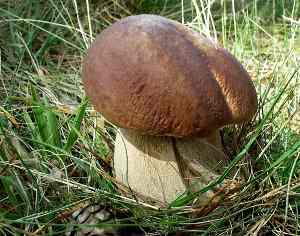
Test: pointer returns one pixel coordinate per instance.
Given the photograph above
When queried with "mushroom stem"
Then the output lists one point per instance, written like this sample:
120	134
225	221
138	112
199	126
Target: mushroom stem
147	164
214	138
164	167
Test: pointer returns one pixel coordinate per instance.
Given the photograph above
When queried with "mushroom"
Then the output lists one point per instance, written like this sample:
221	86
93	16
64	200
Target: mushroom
170	90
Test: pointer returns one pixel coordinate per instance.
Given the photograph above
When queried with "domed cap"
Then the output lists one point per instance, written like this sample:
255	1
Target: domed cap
157	77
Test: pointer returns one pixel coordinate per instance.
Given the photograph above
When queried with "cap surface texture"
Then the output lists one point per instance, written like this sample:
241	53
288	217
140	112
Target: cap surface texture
157	77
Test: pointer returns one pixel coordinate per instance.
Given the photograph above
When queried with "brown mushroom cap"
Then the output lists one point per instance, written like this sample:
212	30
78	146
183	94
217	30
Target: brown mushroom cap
155	76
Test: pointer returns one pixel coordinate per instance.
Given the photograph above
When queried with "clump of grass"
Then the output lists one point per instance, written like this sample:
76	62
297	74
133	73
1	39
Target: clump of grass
56	151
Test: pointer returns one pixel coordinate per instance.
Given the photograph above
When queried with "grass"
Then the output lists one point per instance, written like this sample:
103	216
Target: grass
56	151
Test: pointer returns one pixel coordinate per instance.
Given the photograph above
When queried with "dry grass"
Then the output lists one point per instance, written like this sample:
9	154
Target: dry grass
55	149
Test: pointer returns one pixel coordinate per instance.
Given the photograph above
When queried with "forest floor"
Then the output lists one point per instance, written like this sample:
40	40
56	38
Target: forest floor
56	151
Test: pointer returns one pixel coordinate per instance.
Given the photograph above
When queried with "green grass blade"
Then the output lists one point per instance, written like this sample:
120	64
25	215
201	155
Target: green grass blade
39	114
75	127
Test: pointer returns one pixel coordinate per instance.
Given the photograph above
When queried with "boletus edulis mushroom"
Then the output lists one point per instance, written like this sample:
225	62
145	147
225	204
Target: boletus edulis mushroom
170	90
